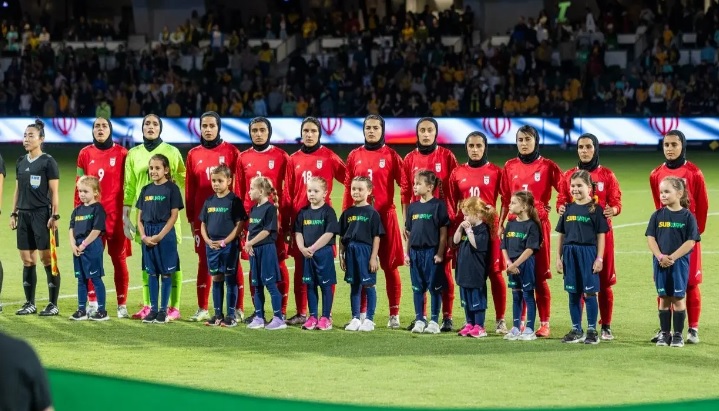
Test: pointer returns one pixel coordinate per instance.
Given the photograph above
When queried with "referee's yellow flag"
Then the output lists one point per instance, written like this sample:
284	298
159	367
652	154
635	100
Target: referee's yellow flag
53	253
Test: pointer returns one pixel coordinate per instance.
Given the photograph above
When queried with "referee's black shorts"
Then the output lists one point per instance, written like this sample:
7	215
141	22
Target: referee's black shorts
32	231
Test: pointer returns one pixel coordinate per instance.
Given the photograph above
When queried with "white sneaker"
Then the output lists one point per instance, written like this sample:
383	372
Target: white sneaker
367	325
393	322
91	308
513	334
122	312
354	325
432	328
527	335
501	328
363	316
693	336
240	315
419	327
200	315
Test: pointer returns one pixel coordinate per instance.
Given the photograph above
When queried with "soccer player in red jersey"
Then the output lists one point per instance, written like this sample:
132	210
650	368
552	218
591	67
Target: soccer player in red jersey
609	197
311	160
480	178
106	160
441	161
383	166
266	160
538	175
201	160
677	165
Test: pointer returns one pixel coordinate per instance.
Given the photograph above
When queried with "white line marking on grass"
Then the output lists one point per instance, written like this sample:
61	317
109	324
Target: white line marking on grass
636	224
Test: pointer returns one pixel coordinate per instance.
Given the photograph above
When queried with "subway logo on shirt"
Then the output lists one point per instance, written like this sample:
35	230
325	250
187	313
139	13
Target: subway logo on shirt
669	224
578	218
423	216
359	218
155	198
84	217
313	222
217	209
515	234
255	220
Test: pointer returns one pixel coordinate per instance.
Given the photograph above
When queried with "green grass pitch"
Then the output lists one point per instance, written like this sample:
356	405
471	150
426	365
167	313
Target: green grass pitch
389	367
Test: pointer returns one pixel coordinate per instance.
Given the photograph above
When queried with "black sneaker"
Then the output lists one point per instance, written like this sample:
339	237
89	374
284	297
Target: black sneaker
100	316
573	337
215	321
150	317
229	322
79	315
656	337
297	319
664	339
250	318
27	309
161	317
49	311
592	337
446	325
677	340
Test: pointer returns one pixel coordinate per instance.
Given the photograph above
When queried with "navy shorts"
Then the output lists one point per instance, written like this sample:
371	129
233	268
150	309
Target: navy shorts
357	257
424	273
672	281
320	269
525	280
89	264
163	258
578	275
264	265
223	261
475	299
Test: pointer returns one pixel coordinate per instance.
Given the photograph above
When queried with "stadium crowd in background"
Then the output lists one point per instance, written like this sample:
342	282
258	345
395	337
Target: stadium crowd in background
547	68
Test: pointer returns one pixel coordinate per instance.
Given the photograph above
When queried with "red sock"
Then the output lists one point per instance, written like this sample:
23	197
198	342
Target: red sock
448	292
523	317
122	277
606	305
499	295
544	301
284	286
300	287
363	301
394	290
240	289
694	306
204	282
91	296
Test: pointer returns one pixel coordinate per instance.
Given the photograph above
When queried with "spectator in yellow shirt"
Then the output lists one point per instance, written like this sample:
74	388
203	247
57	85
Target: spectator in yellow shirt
532	102
522	105
575	89
211	105
301	108
407	31
309	27
236	108
438	108
173	109
667	35
452	105
510	106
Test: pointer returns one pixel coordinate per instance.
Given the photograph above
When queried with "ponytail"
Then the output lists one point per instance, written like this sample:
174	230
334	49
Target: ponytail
587	179
527	199
679	184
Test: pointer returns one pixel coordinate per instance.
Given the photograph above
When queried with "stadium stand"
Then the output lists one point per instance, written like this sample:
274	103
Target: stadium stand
616	60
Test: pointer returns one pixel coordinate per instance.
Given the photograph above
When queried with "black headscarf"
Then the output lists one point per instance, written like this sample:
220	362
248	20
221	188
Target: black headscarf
430	148
108	142
594	162
317	146
262	147
682	159
380	143
218	140
152	144
534	155
482	161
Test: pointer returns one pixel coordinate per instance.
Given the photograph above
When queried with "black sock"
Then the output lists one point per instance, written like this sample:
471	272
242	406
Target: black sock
2	276
29	283
53	284
665	321
679	317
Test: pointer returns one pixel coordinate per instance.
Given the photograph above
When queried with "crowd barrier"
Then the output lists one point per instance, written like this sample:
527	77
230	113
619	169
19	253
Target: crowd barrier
112	394
337	130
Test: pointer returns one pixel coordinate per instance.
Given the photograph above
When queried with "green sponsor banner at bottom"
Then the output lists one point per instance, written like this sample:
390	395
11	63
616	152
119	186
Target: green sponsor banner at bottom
75	391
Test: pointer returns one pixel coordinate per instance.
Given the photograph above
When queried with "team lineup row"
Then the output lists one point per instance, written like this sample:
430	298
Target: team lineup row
122	175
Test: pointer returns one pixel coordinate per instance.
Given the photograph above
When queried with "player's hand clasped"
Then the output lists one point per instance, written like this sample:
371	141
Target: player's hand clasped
127	226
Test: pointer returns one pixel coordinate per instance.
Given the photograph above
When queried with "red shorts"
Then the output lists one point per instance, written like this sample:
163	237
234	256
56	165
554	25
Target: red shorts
391	252
114	235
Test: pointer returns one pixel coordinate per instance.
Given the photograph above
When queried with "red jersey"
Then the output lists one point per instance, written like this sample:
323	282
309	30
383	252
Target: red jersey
607	188
441	162
109	166
696	186
383	166
271	163
199	164
538	177
302	166
482	182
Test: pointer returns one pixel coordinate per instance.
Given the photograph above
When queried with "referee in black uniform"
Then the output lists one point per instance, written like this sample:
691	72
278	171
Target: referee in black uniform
35	204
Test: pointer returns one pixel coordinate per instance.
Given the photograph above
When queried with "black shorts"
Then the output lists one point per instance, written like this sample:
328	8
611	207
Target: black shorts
32	231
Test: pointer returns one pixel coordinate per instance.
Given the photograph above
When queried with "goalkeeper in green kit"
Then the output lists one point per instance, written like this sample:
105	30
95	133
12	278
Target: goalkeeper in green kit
136	177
